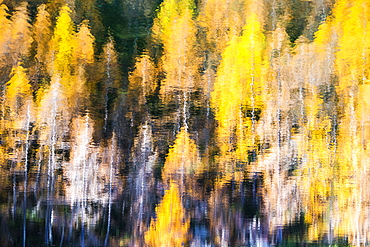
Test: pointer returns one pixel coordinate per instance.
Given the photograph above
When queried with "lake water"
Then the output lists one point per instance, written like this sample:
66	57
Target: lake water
213	123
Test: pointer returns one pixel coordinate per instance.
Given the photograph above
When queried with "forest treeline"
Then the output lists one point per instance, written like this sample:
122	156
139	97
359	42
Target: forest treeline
196	96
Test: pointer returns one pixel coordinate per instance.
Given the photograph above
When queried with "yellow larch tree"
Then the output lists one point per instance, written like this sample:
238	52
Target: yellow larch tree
334	181
317	176
18	92
179	60
41	34
183	164
83	56
170	228
353	72
175	29
182	159
54	114
59	60
5	30
41	31
142	83
353	56
21	38
238	90
62	45
83	53
331	29
333	175
218	22
19	107
345	34
221	20
71	54
143	78
168	12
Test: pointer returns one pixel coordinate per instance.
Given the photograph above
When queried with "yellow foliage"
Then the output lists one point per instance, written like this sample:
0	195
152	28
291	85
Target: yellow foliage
348	29
183	157
75	88
353	56
21	33
53	109
143	79
42	33
179	61
17	87
70	53
336	173
333	24
170	228
317	176
169	11
5	31
340	12
4	21
110	66
239	87
18	99
221	20
333	173
83	53
175	28
323	36
62	43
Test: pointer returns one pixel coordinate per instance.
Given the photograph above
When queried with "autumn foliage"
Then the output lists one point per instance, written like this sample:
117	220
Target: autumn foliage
219	97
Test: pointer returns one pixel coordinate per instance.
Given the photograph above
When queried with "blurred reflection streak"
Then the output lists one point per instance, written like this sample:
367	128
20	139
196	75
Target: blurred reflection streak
140	182
171	224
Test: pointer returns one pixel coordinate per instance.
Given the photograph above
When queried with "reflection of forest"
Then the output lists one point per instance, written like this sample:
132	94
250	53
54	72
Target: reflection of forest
204	123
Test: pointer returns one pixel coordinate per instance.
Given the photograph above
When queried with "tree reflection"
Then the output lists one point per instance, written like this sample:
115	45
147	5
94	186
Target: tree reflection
238	123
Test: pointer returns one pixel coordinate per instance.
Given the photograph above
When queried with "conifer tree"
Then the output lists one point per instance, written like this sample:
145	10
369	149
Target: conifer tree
170	227
5	30
41	31
169	11
182	159
18	105
175	28
238	90
18	91
21	33
220	21
62	45
83	53
83	56
179	60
